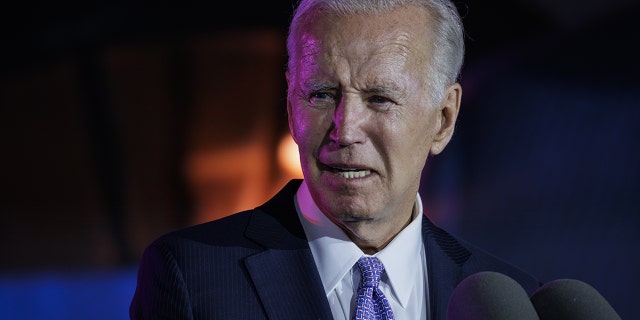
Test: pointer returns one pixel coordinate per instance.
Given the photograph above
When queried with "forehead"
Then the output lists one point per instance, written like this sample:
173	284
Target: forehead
401	34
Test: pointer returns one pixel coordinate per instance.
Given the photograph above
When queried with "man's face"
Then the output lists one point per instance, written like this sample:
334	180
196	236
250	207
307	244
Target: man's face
360	111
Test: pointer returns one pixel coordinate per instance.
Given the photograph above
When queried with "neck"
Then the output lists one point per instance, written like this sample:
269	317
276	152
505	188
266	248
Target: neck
368	236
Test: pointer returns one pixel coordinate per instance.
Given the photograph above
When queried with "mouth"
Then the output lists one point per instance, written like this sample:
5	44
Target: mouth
349	173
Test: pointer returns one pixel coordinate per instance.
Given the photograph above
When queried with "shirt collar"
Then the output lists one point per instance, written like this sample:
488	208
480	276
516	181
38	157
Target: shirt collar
336	254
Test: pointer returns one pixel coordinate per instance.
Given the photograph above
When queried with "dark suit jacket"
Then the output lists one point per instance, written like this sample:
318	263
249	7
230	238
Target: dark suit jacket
257	264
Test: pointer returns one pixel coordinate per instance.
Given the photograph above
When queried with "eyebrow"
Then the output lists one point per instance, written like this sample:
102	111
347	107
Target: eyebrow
311	85
384	89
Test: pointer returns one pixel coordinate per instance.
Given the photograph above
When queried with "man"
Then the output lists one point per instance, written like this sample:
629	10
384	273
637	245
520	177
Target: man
372	93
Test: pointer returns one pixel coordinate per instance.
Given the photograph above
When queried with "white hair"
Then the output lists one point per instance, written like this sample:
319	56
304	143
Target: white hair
446	29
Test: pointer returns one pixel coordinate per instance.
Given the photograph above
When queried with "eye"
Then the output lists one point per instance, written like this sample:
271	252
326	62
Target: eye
381	103
379	100
321	98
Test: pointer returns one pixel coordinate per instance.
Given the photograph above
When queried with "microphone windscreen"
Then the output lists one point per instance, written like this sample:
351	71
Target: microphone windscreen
490	295
569	299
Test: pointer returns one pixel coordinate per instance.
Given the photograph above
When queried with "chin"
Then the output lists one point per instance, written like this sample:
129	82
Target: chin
347	212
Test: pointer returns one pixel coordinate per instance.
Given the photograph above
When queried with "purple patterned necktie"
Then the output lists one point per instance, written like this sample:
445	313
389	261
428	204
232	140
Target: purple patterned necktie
370	301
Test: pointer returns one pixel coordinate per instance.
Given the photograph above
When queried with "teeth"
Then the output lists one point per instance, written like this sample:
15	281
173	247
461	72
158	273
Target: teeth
354	173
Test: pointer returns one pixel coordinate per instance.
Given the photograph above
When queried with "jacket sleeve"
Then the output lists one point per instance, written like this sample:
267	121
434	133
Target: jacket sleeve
161	292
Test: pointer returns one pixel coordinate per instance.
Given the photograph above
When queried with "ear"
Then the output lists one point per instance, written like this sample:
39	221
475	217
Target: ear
446	118
289	111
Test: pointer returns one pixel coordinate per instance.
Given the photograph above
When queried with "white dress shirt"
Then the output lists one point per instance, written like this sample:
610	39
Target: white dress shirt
405	281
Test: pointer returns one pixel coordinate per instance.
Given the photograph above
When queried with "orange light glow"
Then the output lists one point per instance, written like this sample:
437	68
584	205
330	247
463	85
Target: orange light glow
288	156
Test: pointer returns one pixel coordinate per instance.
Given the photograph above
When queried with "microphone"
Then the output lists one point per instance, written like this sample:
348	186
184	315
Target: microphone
489	295
569	299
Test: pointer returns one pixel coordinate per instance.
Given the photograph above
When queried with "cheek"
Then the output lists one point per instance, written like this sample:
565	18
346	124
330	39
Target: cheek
305	130
309	121
418	135
299	123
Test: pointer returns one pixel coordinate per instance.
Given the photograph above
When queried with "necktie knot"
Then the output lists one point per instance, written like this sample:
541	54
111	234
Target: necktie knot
371	268
371	304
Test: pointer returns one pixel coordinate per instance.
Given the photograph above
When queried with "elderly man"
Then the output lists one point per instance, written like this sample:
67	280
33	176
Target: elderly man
372	92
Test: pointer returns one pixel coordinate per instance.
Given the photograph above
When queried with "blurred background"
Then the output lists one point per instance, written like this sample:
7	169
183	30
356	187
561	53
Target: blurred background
123	120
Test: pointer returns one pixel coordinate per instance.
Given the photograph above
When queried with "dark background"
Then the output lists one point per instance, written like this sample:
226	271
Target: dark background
124	120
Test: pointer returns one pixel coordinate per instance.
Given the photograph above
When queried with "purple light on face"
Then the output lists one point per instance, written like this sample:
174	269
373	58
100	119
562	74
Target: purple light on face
309	49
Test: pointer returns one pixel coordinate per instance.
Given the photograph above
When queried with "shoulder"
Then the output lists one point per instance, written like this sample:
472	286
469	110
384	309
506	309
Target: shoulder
277	211
473	259
482	260
223	232
274	221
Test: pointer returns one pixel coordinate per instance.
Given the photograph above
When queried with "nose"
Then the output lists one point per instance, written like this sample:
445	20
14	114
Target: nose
348	121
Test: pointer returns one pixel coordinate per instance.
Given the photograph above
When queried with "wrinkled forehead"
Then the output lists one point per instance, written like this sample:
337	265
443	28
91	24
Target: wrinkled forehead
401	33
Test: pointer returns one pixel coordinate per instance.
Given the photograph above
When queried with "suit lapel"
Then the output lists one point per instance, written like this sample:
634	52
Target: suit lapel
287	289
445	257
285	274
